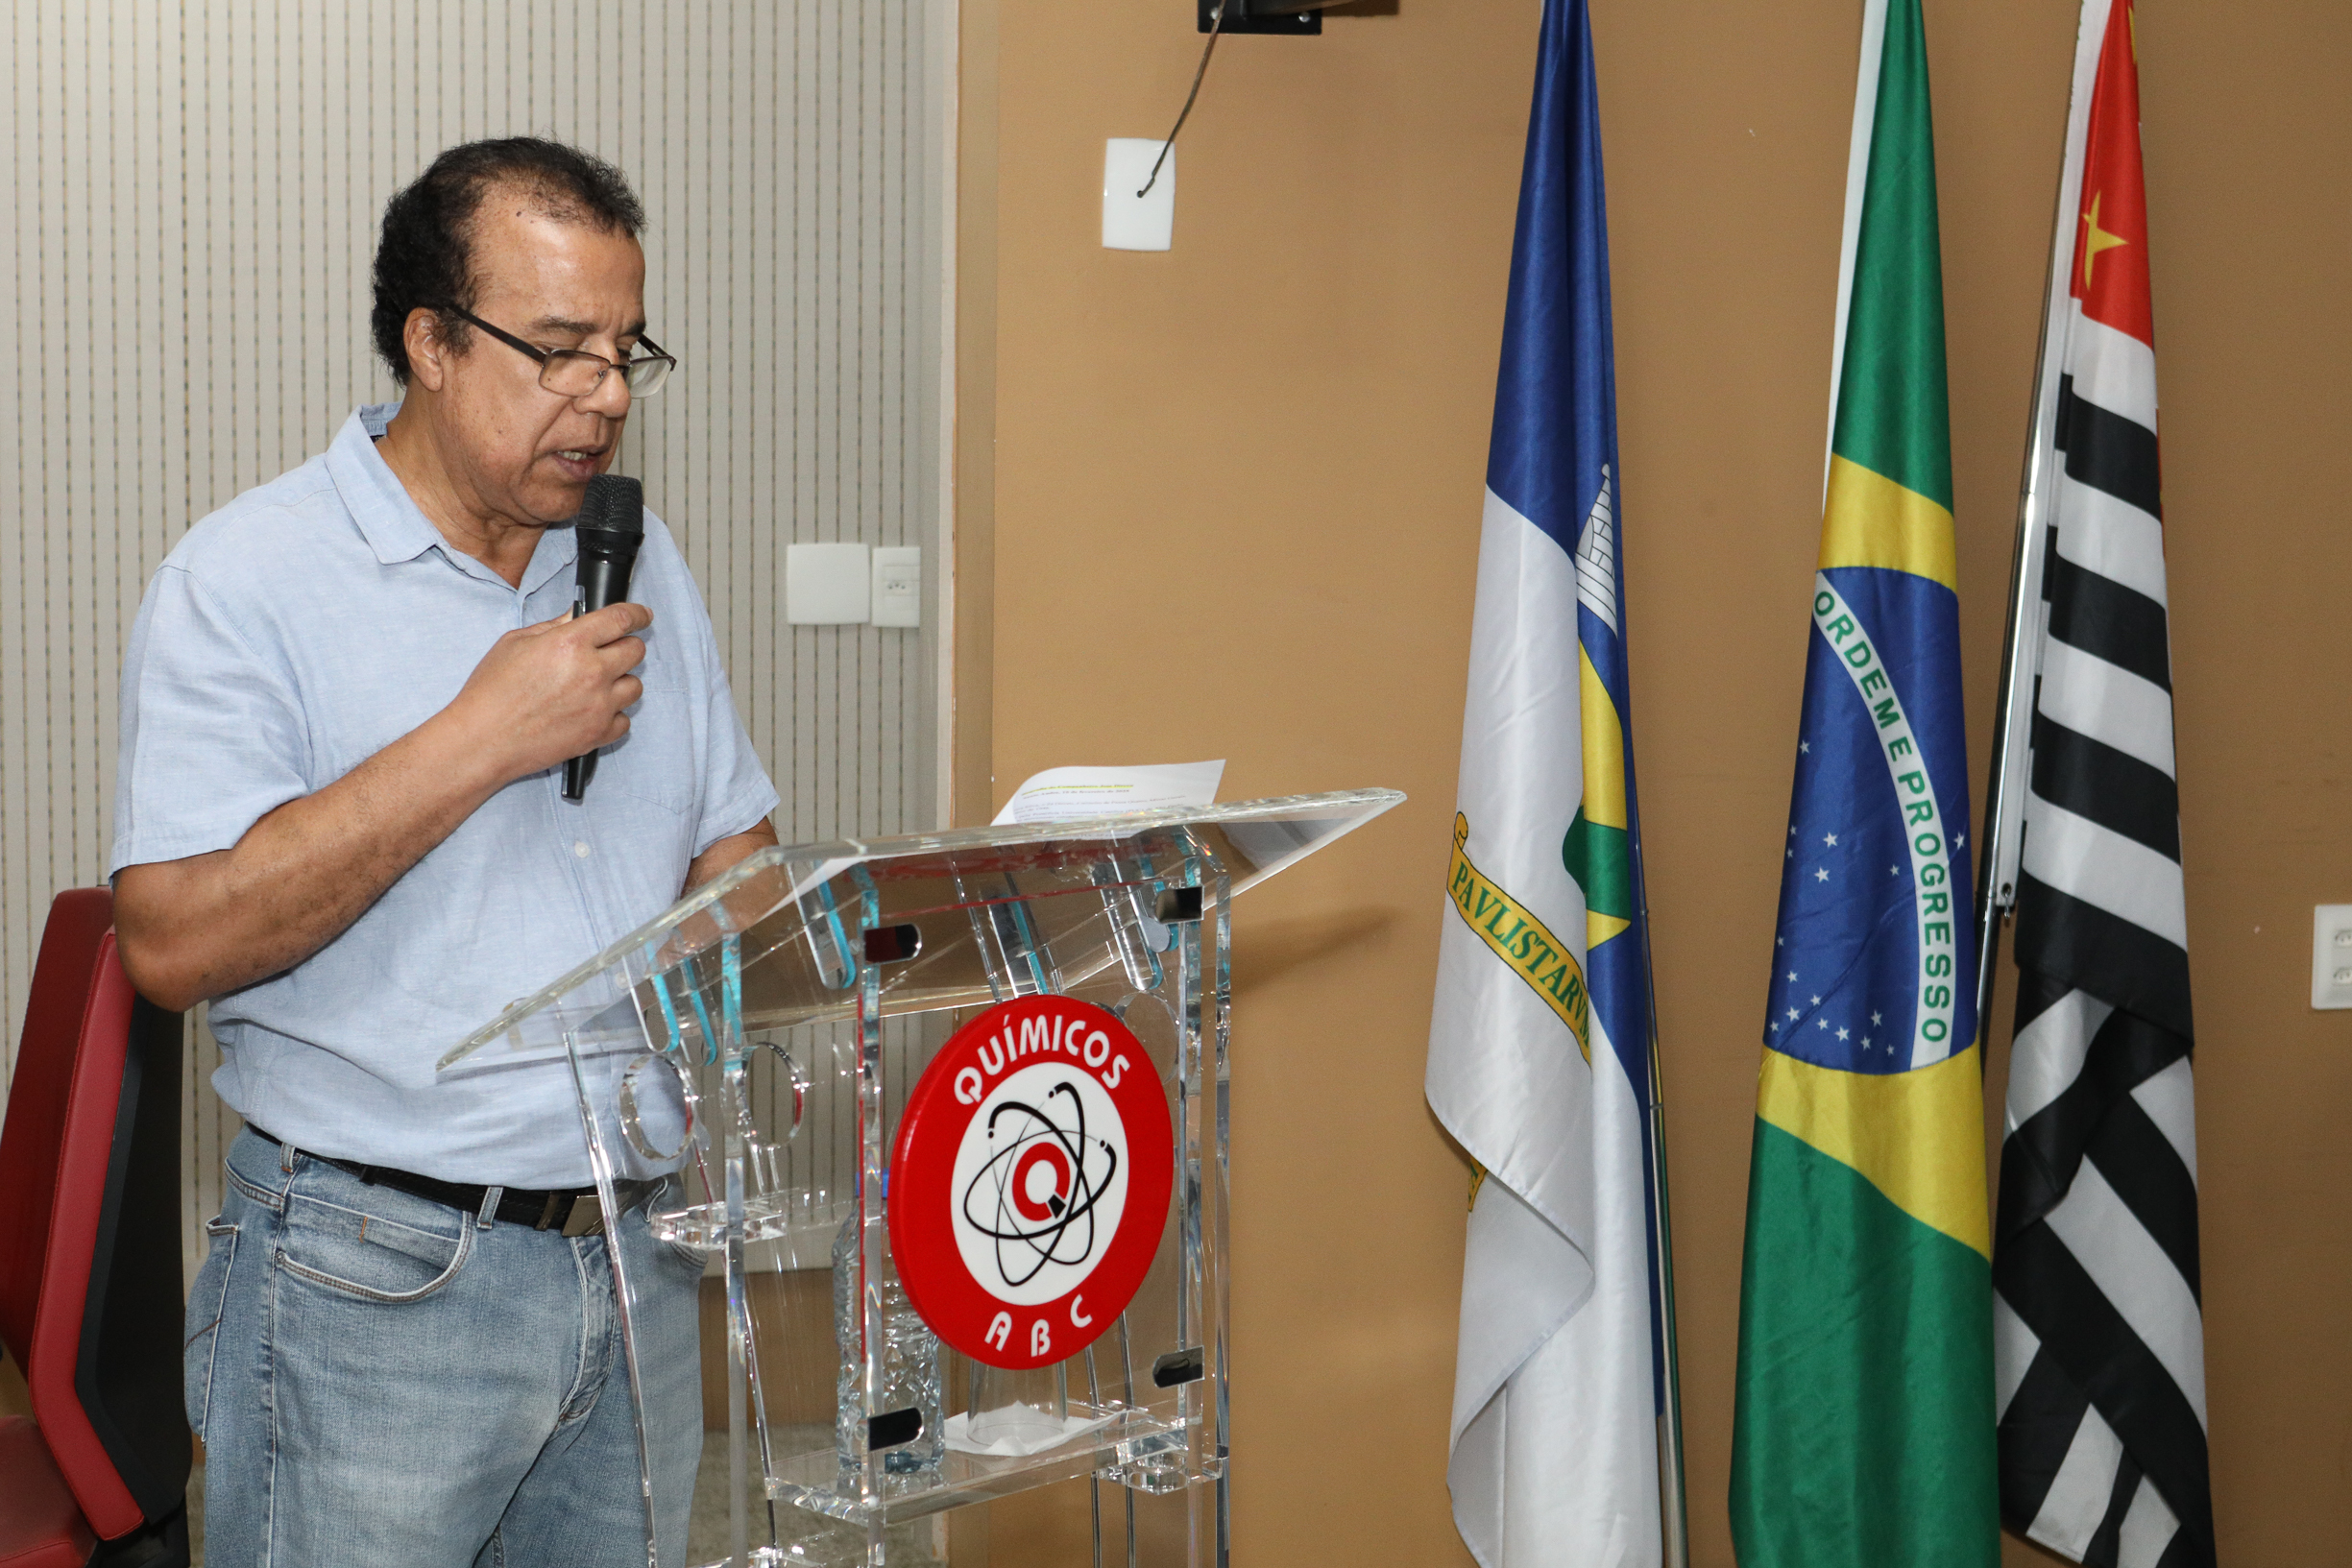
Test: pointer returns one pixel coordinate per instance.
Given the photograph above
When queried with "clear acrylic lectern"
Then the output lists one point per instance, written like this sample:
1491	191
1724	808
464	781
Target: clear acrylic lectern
951	1115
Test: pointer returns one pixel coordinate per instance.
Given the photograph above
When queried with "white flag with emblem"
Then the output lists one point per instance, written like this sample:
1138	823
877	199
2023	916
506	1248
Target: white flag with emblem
1540	1045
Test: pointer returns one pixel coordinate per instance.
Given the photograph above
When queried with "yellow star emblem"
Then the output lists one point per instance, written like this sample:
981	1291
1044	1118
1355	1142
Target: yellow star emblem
2097	241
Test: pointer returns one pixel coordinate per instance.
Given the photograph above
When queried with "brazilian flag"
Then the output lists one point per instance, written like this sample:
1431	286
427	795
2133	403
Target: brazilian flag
1863	1431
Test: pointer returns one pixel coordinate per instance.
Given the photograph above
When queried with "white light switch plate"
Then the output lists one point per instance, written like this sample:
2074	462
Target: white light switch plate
898	584
827	585
2331	956
1130	223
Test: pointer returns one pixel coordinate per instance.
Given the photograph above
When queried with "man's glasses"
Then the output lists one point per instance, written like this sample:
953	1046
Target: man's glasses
576	373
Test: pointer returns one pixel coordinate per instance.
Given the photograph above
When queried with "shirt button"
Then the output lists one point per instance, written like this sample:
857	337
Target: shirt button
580	847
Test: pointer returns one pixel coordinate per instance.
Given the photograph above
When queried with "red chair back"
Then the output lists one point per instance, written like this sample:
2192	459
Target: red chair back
90	1286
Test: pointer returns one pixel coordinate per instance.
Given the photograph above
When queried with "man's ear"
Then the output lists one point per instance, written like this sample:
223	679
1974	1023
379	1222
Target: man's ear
428	351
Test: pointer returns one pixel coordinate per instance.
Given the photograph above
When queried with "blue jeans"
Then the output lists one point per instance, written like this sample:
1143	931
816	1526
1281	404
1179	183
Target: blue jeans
381	1380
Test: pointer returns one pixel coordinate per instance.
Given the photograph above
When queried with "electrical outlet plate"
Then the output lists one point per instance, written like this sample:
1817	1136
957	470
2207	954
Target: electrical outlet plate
2331	956
1132	221
898	584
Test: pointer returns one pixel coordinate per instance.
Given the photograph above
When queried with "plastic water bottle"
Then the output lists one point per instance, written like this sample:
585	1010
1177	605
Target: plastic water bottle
910	1365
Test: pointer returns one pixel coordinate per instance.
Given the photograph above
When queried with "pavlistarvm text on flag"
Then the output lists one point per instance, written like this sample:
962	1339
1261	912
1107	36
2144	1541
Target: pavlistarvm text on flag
1862	1429
2098	1321
1541	1038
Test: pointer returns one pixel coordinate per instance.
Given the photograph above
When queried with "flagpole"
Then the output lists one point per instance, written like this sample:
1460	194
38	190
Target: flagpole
1673	1493
1673	1507
2004	795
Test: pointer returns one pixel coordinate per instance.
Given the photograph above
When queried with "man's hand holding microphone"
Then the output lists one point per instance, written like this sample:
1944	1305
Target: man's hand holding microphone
564	684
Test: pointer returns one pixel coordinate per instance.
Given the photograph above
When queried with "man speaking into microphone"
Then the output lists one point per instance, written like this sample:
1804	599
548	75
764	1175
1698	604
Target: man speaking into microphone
347	707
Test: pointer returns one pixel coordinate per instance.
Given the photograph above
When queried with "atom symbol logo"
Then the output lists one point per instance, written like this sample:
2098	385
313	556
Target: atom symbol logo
1030	1181
1035	1195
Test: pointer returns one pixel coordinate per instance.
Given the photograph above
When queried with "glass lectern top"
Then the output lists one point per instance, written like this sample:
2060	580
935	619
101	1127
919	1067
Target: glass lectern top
964	918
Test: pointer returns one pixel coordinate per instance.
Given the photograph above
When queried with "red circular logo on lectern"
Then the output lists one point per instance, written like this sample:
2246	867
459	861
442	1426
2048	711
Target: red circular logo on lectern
1030	1183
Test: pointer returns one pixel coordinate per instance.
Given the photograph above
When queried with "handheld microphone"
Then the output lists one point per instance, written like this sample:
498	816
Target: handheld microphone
610	527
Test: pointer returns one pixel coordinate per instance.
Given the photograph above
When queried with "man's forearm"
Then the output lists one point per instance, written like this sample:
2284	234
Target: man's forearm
192	930
718	858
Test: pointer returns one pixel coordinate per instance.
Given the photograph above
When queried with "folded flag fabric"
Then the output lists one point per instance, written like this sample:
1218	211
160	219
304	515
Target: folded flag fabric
2099	1326
1863	1422
1540	1040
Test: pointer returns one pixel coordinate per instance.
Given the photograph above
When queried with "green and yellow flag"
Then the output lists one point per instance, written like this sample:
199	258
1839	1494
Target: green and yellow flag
1863	1433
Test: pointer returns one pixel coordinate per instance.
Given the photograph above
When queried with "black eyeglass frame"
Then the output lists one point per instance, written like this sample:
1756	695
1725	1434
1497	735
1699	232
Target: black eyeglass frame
547	357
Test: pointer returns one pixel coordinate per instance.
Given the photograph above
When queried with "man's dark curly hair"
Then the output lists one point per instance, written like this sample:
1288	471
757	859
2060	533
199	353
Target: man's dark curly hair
425	257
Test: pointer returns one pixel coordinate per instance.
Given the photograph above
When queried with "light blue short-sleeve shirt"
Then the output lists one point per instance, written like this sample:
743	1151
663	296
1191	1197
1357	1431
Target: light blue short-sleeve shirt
297	632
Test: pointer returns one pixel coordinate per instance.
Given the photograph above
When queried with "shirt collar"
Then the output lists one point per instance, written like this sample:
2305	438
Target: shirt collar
389	518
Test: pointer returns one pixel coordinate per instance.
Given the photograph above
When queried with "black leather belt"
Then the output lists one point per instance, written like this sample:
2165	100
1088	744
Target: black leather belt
549	1209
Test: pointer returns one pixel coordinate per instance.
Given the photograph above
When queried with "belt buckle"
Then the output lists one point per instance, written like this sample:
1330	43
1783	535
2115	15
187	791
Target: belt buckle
586	1218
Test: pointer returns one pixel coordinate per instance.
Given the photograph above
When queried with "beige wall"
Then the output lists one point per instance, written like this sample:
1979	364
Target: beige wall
1223	502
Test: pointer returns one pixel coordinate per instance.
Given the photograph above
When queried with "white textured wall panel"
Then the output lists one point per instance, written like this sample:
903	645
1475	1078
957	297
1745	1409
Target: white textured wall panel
193	193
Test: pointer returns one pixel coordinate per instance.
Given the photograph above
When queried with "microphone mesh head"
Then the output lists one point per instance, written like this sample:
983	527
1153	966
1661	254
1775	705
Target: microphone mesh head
615	504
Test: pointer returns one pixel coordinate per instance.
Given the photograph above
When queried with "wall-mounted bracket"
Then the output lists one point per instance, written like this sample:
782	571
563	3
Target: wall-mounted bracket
1262	16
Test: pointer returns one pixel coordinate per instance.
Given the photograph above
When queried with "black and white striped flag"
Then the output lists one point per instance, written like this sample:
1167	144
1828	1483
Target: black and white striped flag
2098	1328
